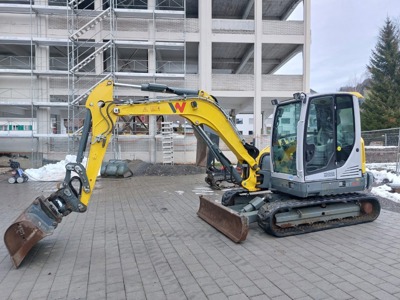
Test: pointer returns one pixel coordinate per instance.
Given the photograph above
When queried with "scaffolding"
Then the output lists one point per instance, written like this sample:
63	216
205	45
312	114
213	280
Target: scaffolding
91	33
53	52
96	53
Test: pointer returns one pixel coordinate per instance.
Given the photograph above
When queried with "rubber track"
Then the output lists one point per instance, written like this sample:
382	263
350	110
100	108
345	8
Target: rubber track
266	219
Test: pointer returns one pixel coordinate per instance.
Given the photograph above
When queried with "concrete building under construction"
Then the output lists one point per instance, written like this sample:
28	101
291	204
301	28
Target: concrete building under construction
53	52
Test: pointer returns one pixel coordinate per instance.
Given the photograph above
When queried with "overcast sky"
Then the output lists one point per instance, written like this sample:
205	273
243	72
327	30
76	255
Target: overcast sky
343	34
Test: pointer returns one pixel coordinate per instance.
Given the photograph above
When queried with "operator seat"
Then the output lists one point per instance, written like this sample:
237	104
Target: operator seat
323	147
324	135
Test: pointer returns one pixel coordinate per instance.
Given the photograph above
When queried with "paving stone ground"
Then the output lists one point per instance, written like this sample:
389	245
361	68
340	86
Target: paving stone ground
141	239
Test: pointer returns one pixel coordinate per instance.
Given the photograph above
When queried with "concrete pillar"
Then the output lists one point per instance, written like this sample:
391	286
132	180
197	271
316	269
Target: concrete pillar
257	126
152	69
99	59
205	66
205	45
306	45
43	117
233	114
152	33
263	117
41	85
42	58
42	55
43	127
98	4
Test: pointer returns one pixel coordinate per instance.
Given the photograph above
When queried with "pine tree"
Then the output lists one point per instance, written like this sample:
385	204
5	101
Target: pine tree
382	105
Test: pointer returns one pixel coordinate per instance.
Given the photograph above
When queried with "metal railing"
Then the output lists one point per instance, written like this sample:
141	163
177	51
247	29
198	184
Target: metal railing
59	63
129	65
171	67
171	4
16	62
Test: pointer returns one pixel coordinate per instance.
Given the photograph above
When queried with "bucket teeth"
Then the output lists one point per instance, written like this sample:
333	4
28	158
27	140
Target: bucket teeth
232	224
36	222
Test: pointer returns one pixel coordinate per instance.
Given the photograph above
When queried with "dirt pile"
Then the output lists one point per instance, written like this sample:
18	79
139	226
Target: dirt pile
141	168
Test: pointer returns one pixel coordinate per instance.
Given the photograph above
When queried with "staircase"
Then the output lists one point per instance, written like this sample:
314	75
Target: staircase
167	143
91	24
91	57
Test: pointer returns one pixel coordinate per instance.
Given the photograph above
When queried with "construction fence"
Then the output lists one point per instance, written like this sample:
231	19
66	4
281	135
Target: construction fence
383	146
382	137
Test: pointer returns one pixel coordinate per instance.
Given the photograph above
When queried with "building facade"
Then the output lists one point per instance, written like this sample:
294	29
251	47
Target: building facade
53	52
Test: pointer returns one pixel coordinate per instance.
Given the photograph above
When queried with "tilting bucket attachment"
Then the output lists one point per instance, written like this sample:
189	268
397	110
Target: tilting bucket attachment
36	222
234	225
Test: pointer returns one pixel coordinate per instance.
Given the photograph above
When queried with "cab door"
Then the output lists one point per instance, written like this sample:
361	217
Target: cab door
348	137
330	136
320	138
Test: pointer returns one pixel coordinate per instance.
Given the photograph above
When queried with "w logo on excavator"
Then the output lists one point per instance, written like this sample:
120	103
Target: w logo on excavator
177	106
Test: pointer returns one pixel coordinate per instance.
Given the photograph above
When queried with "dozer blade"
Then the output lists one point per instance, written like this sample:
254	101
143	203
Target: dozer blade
226	220
36	222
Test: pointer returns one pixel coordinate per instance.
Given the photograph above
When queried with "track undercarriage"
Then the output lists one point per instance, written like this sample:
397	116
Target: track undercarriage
282	215
291	217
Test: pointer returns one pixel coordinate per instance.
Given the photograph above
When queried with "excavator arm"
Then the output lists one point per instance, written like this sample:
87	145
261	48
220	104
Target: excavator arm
199	109
42	217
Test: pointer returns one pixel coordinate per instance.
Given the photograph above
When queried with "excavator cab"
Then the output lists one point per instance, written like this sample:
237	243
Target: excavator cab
317	139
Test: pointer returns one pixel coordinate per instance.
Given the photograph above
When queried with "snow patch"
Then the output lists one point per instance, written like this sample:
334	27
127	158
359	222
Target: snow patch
384	175
52	172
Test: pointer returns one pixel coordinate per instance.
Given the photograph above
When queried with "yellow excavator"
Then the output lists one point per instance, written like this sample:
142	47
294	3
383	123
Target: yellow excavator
312	176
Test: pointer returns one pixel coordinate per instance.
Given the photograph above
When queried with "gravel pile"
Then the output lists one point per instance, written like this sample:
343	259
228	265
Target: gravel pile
389	204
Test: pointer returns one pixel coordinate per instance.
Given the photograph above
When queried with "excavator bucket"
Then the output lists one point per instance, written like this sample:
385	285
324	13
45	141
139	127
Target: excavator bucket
36	222
234	225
